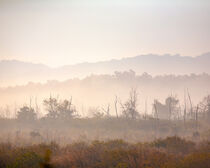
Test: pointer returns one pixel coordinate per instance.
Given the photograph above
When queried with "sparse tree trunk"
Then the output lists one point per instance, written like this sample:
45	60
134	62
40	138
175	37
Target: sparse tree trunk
145	112
196	118
156	118
185	108
115	104
37	108
191	108
179	112
169	108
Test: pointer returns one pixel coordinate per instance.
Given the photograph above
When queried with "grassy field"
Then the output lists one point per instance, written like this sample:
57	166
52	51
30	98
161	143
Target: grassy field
171	152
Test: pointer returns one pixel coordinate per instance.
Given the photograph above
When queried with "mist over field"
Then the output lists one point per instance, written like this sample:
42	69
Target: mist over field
15	72
104	84
117	105
99	91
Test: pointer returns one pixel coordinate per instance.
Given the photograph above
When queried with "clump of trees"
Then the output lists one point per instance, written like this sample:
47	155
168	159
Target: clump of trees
171	109
26	113
55	108
63	109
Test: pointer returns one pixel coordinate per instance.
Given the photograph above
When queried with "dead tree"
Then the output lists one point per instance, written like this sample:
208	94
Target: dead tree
107	110
115	105
179	112
155	116
129	108
37	109
205	107
196	117
169	108
185	109
191	106
145	110
155	109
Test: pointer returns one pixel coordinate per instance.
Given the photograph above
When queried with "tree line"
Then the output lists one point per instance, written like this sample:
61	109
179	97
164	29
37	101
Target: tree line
170	110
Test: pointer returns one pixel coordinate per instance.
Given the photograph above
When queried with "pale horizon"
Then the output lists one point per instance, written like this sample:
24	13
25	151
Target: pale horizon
105	60
57	33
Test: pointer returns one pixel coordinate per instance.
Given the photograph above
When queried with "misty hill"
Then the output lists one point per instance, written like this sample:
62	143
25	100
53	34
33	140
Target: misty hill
17	72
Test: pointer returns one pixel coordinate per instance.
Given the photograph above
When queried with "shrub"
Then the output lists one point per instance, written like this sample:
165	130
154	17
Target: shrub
175	145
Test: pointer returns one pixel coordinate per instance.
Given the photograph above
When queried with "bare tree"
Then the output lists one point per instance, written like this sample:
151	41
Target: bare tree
145	110
185	108
96	112
129	108
191	106
7	112
196	117
107	110
205	107
169	107
155	109
115	105
155	116
51	106
36	106
172	103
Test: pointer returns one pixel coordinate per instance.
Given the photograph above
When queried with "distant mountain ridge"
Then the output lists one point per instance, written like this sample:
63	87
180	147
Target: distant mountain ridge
17	72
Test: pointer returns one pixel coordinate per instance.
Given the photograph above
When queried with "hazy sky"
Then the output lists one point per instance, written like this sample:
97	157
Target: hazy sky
71	31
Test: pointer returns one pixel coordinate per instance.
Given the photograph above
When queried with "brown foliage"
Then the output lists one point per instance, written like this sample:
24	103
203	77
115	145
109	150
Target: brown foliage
172	152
